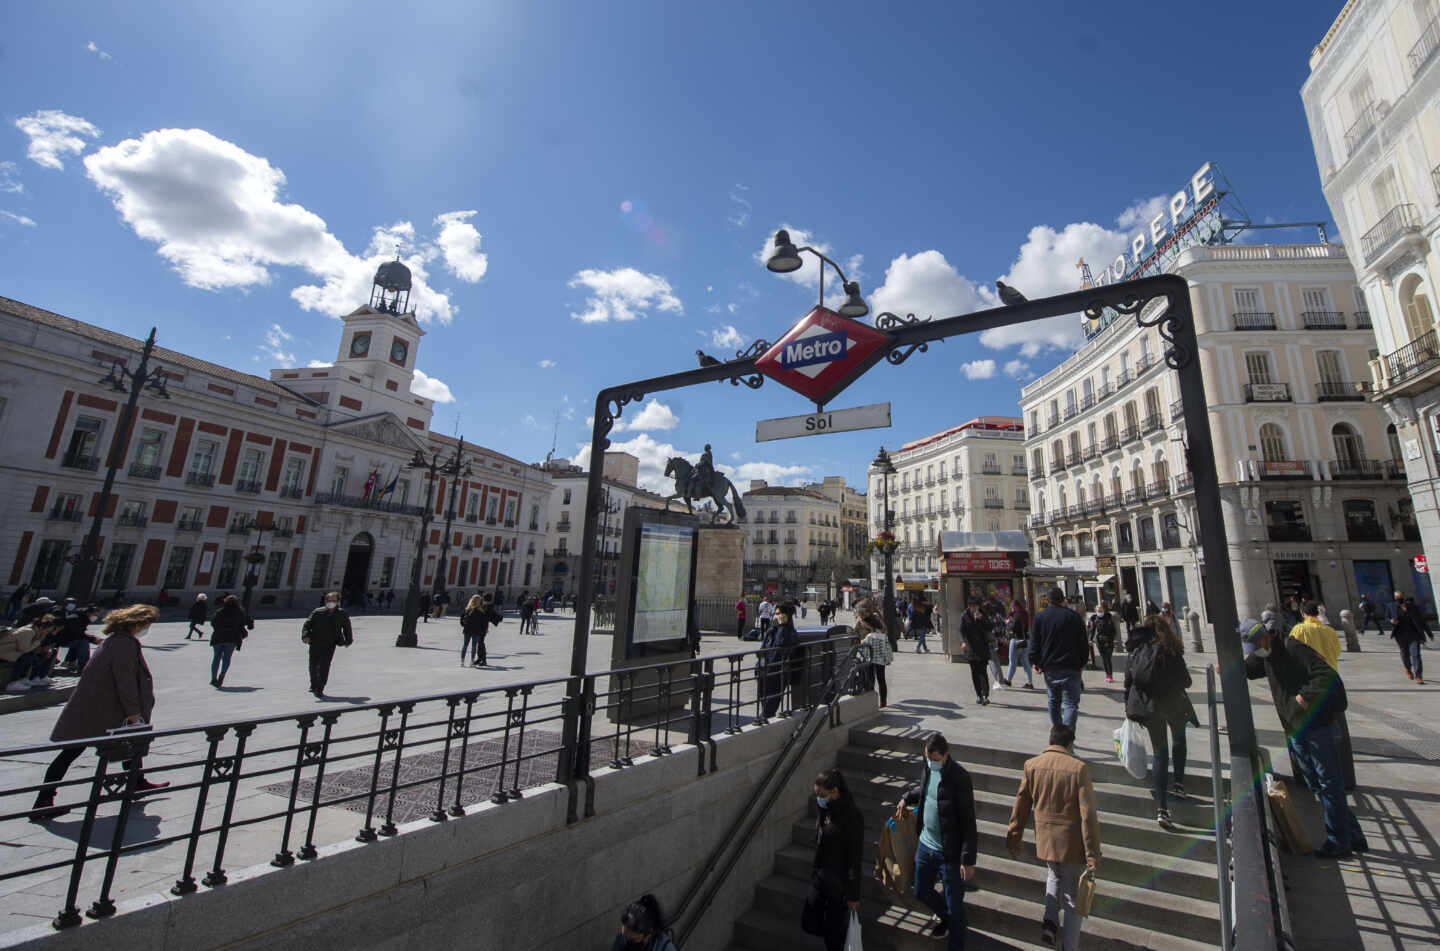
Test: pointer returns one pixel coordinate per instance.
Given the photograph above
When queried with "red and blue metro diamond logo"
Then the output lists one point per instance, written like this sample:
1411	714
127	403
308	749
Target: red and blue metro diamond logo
823	354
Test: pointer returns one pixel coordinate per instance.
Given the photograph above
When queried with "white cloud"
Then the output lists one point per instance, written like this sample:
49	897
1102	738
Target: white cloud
10	179
653	415
529	419
459	244
54	135
772	472
18	219
318	365
653	456
97	50
978	369
215	212
432	389
739	215
276	339
547	364
1016	368
926	285
727	338
1141	213
808	274
623	294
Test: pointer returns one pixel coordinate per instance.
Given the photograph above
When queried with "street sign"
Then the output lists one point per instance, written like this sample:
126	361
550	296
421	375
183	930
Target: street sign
823	354
1421	565
874	416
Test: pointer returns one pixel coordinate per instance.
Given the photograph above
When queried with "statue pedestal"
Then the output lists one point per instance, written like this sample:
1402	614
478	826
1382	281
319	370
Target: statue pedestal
720	563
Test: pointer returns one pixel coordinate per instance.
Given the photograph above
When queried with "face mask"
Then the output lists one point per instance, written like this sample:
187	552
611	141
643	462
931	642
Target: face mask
331	605
823	802
1261	652
934	766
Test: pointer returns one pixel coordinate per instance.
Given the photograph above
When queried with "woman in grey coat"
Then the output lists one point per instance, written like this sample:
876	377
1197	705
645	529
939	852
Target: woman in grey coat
115	689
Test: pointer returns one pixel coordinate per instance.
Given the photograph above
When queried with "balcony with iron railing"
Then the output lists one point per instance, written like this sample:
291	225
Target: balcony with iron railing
990	468
1134	496
1424	47
248	486
1129	434
1105	390
283	531
141	471
1288	533
1022	504
1177	410
292	491
1151	422
1038	520
1073	460
1414	358
1103	546
1285	469
373	505
131	520
200	480
1336	391
1071	412
1087	401
1362	320
1057	466
1110	443
1363	125
1158	489
1124	546
942	478
1184	482
1052	420
1254	320
1267	393
994	503
190	525
63	514
239	528
1147	544
1397	223
80	460
1123	378
1365	532
1323	319
1356	469
1019	469
1395	469
1037	474
1092	451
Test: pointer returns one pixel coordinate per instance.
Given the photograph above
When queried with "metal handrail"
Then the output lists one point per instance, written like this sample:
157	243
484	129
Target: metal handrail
716	868
1222	842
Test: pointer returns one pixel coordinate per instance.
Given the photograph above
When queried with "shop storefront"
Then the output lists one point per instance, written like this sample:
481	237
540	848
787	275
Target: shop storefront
984	566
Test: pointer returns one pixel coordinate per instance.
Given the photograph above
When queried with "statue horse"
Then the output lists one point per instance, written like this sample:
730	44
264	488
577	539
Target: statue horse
716	491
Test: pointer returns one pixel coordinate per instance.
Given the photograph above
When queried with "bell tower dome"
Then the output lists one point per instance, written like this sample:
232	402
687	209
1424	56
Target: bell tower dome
390	291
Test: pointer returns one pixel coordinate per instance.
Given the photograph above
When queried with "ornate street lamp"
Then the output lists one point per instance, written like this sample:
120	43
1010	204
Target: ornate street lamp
885	542
254	558
786	259
414	600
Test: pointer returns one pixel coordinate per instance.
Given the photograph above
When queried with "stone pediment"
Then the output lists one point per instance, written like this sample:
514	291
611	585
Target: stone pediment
382	428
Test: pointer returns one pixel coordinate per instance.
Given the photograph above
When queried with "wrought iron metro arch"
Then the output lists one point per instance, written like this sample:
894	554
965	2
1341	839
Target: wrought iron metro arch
1162	302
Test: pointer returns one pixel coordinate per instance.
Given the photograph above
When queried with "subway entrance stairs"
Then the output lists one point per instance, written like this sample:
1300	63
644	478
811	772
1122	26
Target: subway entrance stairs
1157	889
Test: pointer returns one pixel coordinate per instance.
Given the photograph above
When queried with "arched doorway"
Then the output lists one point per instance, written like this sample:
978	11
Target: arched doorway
357	567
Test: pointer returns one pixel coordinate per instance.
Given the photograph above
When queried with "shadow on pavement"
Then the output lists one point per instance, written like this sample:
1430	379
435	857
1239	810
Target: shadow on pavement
239	689
139	828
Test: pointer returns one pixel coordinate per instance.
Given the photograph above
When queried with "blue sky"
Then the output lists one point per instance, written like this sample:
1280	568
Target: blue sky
584	189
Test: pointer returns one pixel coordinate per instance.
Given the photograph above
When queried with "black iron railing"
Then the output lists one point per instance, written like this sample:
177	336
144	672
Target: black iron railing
376	505
1398	221
1222	814
190	525
1362	320
1254	320
80	460
1356	469
1323	320
1329	391
427	757
1267	392
202	480
142	471
1414	358
72	514
1424	47
1360	128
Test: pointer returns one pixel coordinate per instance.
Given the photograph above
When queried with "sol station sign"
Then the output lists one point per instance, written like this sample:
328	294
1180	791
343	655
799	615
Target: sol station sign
823	354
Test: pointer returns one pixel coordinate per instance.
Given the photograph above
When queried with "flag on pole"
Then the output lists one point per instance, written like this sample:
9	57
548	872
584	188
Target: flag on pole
370	482
391	486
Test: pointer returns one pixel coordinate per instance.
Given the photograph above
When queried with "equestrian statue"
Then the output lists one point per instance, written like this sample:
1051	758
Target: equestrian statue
701	481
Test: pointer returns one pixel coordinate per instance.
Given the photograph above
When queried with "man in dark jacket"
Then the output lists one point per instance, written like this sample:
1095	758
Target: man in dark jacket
199	614
1410	631
1309	698
1058	649
325	629
949	838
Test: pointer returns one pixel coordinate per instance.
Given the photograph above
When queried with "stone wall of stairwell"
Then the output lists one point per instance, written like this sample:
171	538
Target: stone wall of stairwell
514	876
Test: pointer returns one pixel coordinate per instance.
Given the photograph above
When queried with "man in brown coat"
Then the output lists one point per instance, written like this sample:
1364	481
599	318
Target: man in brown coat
1058	789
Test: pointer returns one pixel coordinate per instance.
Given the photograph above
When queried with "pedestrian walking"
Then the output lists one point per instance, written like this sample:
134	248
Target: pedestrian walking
995	614
442	604
1309	696
1017	631
116	689
526	613
1102	636
1369	614
1155	683
642	927
229	628
741	610
875	645
199	614
776	645
835	869
949	839
324	630
1410	632
1057	789
975	630
767	614
920	614
1057	650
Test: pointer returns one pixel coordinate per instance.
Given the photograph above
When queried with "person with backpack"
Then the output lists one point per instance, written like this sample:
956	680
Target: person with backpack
874	644
229	629
642	928
1102	636
1155	683
835	870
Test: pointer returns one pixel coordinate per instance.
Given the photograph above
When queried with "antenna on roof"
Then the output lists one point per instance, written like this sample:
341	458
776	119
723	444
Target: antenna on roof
554	438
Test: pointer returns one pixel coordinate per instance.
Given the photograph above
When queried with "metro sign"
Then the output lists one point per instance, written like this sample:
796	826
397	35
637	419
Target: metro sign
823	354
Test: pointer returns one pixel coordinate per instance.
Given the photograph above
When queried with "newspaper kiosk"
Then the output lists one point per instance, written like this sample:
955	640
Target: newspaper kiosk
988	566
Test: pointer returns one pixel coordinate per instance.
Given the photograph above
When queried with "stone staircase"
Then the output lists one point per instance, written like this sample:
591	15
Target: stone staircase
1157	889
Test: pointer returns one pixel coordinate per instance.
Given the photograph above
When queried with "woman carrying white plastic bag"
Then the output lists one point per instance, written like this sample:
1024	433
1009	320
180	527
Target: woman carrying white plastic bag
852	936
833	901
1130	748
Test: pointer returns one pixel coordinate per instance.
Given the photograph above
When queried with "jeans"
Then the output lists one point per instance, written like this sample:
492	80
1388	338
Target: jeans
1156	726
78	654
951	909
740	626
978	678
1318	751
995	668
220	663
1060	886
320	657
878	670
920	633
33	664
1411	657
474	648
1062	688
1366	621
1018	659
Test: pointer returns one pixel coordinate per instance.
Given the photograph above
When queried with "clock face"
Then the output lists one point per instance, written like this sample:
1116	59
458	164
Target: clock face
359	345
398	351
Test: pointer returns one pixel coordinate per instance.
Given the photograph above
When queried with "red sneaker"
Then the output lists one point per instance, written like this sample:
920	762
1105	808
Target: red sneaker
145	785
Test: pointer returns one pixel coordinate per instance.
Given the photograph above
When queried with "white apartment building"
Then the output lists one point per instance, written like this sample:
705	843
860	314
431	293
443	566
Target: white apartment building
1311	477
307	473
794	537
854	539
969	478
565	526
1372	101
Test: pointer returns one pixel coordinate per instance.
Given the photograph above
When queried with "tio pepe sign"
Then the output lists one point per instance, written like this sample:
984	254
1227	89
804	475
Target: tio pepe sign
1421	565
971	562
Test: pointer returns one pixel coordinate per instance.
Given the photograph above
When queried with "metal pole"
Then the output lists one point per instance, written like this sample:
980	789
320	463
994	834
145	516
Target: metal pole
454	472
83	579
892	623
408	636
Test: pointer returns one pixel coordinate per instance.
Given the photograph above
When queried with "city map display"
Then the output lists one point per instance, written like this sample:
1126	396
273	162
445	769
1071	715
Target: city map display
662	583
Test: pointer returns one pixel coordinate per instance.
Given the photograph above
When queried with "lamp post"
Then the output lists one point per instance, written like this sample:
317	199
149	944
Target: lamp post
413	597
786	258
457	469
887	549
253	560
85	575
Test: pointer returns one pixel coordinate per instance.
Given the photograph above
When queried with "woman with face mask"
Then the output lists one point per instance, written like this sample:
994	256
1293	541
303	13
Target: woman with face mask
642	928
116	689
835	871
